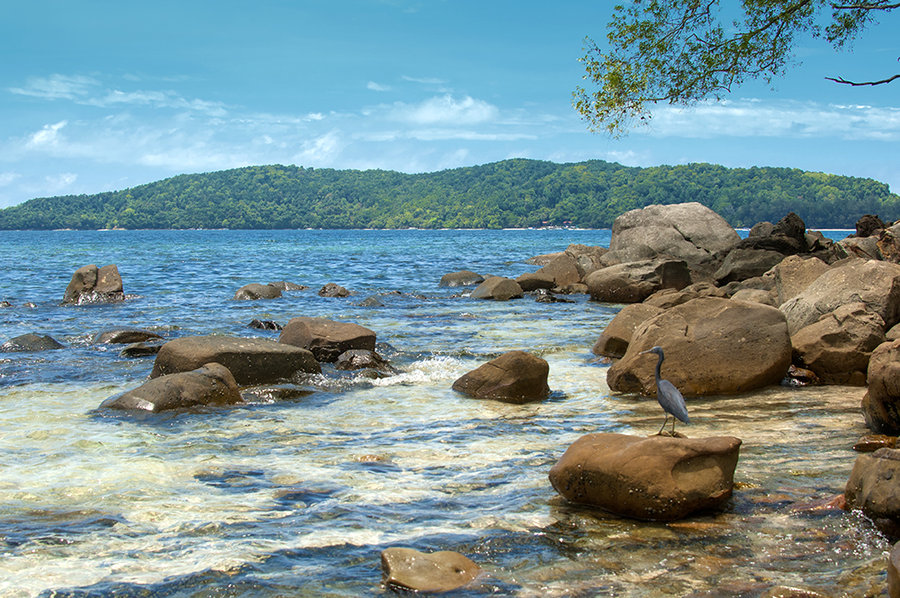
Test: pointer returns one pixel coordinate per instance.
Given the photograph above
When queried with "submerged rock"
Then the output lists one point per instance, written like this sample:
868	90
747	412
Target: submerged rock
333	290
211	384
658	478
250	360
91	284
462	278
361	359
30	342
515	377
125	336
443	571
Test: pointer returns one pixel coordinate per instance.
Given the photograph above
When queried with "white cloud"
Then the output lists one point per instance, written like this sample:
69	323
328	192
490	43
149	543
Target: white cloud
753	118
55	87
48	136
377	86
446	110
321	150
59	182
6	178
425	80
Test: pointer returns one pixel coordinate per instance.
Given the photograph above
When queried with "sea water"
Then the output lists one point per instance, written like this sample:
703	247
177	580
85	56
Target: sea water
297	494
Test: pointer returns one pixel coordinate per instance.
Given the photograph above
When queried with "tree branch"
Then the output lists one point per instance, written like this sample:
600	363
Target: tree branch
866	6
859	83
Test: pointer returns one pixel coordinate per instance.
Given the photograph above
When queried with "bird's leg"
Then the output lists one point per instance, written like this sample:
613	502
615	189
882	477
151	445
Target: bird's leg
664	425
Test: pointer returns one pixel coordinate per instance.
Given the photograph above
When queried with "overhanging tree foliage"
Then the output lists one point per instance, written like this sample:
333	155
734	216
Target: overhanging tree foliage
684	51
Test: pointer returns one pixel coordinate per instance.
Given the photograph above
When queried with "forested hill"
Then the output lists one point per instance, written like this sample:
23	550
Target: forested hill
508	194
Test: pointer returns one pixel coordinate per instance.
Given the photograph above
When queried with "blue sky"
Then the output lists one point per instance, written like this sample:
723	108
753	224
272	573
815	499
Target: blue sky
98	95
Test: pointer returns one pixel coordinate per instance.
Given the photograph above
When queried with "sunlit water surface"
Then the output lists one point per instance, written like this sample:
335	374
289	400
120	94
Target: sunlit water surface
299	496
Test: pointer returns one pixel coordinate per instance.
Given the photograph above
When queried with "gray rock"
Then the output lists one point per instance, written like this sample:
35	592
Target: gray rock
461	278
254	291
141	350
333	290
211	384
30	342
288	286
688	231
250	360
741	264
326	339
362	359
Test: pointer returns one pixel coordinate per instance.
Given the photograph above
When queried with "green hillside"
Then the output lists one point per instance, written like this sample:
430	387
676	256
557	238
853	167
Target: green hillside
512	193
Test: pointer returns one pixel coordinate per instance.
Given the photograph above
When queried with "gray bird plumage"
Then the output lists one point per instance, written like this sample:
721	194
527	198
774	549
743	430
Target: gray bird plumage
668	396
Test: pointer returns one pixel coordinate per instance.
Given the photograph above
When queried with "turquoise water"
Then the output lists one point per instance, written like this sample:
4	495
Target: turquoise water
299	496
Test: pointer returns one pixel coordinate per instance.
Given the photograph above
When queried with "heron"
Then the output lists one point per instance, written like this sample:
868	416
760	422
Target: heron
668	396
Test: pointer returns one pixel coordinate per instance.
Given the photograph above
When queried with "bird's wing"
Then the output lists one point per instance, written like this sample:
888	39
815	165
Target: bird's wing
672	401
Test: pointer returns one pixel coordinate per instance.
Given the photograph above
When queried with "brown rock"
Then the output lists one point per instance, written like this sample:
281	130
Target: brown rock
416	571
333	290
91	284
657	478
838	347
532	281
498	288
712	345
873	488
514	377
125	337
326	339
893	572
633	282
741	264
881	403
562	270
794	274
868	225
211	384
254	291
614	340
872	442
250	360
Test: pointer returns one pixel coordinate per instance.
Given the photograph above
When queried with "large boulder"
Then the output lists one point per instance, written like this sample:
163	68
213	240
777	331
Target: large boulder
794	274
633	282
712	346
688	231
91	284
875	283
838	346
498	288
514	377
414	571
659	478
255	290
326	339
251	360
873	488
881	403
461	278
587	257
614	340
30	342
211	384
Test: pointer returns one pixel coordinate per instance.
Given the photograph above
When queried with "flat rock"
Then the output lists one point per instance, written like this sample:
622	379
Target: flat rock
657	478
125	336
250	360
326	339
443	571
514	377
211	384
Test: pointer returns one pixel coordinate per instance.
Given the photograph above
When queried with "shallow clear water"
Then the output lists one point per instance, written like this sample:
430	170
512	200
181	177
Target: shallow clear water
299	497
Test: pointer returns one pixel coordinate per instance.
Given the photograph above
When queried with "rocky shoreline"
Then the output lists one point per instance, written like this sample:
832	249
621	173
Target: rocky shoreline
782	306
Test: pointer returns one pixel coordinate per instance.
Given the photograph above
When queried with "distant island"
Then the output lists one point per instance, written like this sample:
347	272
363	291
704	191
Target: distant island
514	193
